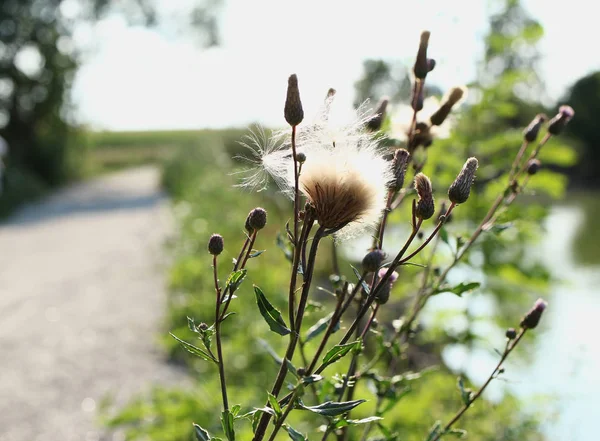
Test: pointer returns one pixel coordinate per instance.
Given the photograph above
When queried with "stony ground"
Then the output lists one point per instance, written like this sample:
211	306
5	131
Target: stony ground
81	298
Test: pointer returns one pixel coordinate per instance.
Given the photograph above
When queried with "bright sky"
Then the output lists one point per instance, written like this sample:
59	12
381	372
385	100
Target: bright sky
137	79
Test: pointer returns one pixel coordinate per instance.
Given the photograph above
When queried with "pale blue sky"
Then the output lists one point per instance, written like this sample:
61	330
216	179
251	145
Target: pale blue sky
134	78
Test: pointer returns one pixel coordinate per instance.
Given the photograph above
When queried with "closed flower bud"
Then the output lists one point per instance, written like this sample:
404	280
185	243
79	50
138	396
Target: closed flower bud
215	244
530	134
293	112
383	293
399	165
511	333
300	157
461	187
453	97
378	118
422	136
421	67
425	205
560	121
256	220
373	260
533	166
532	318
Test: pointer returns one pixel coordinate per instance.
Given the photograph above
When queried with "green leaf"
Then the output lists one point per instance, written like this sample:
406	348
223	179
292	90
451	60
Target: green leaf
294	434
227	315
365	287
459	433
271	352
227	423
465	393
225	299
235	279
444	236
235	410
332	408
255	253
201	434
271	315
434	431
339	351
499	228
344	422
274	404
291	368
311	379
285	247
194	350
318	328
192	325
459	289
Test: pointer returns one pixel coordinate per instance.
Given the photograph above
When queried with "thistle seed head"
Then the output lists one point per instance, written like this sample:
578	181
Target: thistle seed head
215	244
422	65
425	205
533	166
560	121
293	112
399	165
378	118
460	189
530	134
373	260
450	100
532	318
256	220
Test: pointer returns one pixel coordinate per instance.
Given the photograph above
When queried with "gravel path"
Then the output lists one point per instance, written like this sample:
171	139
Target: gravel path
81	298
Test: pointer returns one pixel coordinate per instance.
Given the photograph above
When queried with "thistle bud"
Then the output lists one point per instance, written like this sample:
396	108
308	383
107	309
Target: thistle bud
383	293
300	157
533	166
399	165
376	121
461	187
215	244
425	205
373	260
511	333
530	134
560	121
256	220
421	67
449	101
422	136
293	112
532	318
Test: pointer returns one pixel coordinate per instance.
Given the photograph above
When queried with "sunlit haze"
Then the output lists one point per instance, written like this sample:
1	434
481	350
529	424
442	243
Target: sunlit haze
136	79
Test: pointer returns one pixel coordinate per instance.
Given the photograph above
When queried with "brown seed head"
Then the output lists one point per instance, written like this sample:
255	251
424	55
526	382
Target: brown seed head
532	318
530	134
460	189
378	118
399	165
215	244
560	121
453	97
256	220
293	112
421	67
425	205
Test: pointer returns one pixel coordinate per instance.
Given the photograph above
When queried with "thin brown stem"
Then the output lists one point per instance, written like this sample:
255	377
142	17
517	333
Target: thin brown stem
218	338
378	240
509	347
516	163
284	415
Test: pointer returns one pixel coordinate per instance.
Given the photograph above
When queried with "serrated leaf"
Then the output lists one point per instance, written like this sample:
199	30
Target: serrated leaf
271	315
274	404
201	434
235	279
194	350
459	289
332	408
364	285
227	423
294	434
339	351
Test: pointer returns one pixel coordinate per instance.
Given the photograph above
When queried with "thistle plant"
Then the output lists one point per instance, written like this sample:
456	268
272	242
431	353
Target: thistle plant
343	182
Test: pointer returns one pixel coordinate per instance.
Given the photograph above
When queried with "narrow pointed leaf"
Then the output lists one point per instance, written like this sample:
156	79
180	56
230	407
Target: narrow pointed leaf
365	287
227	423
235	279
201	434
294	434
274	404
318	328
271	315
194	350
332	408
459	289
339	351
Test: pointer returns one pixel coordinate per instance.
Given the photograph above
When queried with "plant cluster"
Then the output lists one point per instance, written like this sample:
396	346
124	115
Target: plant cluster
343	182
